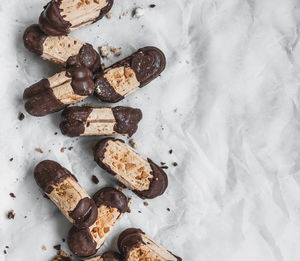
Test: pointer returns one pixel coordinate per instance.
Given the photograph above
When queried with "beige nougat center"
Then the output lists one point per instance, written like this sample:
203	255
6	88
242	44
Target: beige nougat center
81	12
66	195
132	169
96	258
122	79
150	251
59	48
101	121
107	218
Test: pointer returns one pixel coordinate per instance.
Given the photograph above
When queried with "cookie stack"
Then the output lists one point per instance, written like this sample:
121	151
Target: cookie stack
94	217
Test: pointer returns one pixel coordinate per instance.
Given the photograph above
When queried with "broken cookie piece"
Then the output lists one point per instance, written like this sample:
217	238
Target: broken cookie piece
135	245
87	121
112	204
64	190
130	74
62	256
63	16
108	256
130	168
62	50
55	93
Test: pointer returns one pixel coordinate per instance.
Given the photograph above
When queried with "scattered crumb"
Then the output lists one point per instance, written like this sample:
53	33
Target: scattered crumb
152	6
63	240
133	144
109	15
140	211
175	110
62	256
5	252
11	159
164	167
146	203
62	149
21	116
11	214
175	164
168	209
55	133
70	148
25	217
138	12
118	53
44	248
95	179
39	150
171	151
57	247
105	50
12	195
162	163
113	49
6	246
102	66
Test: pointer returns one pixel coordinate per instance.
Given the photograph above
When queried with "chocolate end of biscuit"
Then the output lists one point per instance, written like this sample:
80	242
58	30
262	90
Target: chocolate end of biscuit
127	119
105	10
82	80
81	242
34	39
48	173
111	256
129	239
111	197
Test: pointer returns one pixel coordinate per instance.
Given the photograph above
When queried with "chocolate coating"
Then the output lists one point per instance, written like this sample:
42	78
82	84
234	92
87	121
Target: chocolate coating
49	173
87	57
127	119
132	238
85	213
81	242
129	239
41	99
52	22
74	119
113	198
34	39
158	184
82	80
111	256
147	63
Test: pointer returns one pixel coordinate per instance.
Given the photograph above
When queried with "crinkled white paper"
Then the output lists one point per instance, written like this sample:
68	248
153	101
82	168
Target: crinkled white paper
227	104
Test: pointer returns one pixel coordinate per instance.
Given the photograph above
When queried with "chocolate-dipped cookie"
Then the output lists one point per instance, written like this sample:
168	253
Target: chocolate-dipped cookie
64	190
112	204
129	74
55	93
108	256
87	121
60	17
133	170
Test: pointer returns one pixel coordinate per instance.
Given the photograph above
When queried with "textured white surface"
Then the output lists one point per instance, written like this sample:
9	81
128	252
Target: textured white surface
233	78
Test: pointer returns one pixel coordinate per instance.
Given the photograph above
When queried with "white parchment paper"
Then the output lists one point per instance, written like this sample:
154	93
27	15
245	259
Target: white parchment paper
227	104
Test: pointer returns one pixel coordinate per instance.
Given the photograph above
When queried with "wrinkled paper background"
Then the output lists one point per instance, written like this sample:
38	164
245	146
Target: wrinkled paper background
227	104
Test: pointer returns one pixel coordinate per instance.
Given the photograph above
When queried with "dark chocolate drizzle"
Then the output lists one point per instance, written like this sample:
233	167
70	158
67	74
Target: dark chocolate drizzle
81	242
87	57
34	39
111	256
129	239
41	99
127	119
158	184
111	197
85	213
147	63
74	119
132	238
51	21
82	80
49	173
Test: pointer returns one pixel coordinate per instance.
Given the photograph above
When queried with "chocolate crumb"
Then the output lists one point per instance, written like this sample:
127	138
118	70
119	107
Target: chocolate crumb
95	179
175	164
11	159
146	204
140	211
11	214
21	116
6	246
57	247
164	167
62	256
133	144
25	217
39	150
5	252
162	163
168	209
70	148
63	240
55	133
152	6
12	195
170	151
62	149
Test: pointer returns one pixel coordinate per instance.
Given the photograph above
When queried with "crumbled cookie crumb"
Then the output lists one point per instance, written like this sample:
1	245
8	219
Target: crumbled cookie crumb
171	151
70	148
11	159
146	204
152	6
62	149
5	252
95	179
62	256
118	53
21	116
175	164
133	144
39	150
105	50
11	214
102	66
109	15
44	248
57	247
162	163
168	209
12	195
138	12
